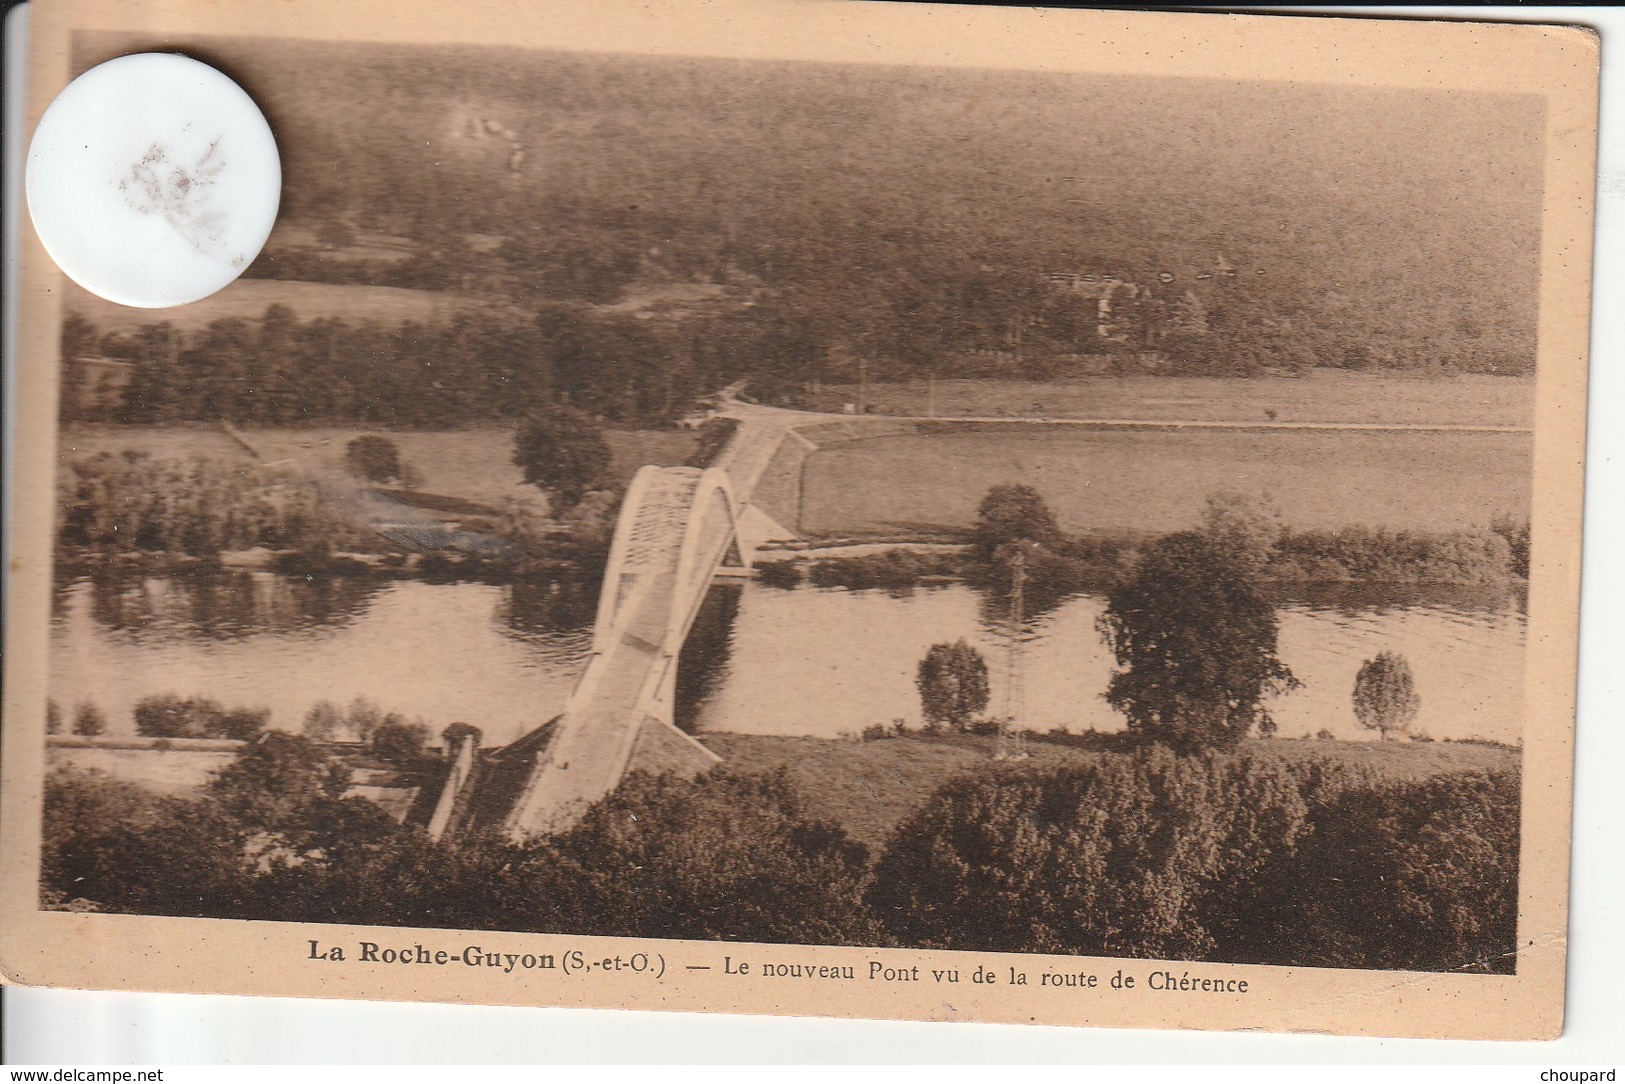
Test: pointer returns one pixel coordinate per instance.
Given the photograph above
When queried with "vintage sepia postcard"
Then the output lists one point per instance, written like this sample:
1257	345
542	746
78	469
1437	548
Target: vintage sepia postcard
827	508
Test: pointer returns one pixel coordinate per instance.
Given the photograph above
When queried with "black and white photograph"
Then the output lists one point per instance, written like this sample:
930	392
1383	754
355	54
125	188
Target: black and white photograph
1055	525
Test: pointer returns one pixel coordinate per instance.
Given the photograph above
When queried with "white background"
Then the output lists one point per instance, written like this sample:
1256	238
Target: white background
69	1027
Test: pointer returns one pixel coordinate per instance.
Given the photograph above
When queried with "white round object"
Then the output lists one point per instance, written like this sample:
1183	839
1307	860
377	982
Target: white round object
153	180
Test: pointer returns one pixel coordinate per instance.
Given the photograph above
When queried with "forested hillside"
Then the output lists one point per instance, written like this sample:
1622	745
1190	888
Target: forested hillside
916	219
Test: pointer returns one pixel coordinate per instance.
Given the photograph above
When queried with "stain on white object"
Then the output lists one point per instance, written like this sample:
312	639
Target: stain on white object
153	180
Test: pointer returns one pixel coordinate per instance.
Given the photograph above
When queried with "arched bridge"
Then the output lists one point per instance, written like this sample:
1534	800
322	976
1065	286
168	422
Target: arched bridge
677	526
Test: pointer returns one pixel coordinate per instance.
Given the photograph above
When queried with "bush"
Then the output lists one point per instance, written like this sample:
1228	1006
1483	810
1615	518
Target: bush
169	716
1416	875
456	733
274	781
1237	859
892	570
200	507
111	846
1013	514
374	458
1247	529
89	722
1127	856
1383	556
53	717
725	856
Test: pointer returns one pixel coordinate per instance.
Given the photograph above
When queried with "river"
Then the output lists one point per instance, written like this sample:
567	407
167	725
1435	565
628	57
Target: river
763	660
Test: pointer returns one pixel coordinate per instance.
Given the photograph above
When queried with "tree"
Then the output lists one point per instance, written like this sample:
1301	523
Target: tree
1013	513
323	720
1417	875
952	680
562	452
725	856
1146	855
275	780
365	718
1385	694
89	722
1196	640
374	458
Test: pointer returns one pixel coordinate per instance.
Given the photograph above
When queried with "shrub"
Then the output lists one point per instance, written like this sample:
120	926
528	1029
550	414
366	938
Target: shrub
725	856
169	716
1125	856
53	717
1416	875
164	716
274	781
714	437
364	718
242	724
1013	514
1246	529
89	722
201	507
375	458
122	848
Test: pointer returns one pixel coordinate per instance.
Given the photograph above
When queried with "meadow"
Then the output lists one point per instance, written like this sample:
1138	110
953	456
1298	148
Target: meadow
1157	480
1324	395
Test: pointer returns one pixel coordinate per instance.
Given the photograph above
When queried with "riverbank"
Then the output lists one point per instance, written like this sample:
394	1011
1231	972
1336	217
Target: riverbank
1298	562
870	787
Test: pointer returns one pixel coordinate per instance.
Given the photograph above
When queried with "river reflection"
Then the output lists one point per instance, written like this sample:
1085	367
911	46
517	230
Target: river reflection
502	657
825	661
808	661
216	604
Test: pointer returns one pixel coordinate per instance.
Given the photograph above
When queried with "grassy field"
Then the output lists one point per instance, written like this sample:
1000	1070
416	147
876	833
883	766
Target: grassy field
1146	480
1326	395
870	787
1115	480
473	464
